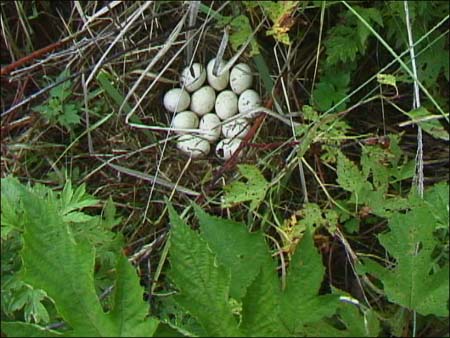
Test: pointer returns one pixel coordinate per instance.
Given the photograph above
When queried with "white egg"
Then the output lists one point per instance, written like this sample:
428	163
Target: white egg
241	78
176	100
217	82
193	78
211	123
185	120
202	100
193	145
226	104
227	147
236	128
248	101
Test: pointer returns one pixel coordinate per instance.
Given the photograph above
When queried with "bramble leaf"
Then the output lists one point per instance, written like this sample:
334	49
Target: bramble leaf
204	284
261	305
130	311
409	283
55	262
21	329
241	252
303	282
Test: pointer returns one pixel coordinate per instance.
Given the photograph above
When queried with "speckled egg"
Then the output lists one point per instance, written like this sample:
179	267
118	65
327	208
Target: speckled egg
241	78
217	82
193	78
202	100
226	104
176	100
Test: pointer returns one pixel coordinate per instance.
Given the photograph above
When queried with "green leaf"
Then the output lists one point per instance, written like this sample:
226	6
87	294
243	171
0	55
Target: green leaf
241	252
351	179
204	284
357	324
331	89
437	199
387	79
31	301
55	262
130	310
11	211
63	90
241	29
342	45
371	15
409	283
49	246
110	219
72	200
20	329
305	275
261	304
432	127
253	190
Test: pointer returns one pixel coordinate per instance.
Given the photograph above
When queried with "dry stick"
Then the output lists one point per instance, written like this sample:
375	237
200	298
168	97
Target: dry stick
26	59
75	75
193	13
134	17
9	68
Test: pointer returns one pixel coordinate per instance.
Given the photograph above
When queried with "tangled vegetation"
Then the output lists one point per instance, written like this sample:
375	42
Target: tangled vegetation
331	219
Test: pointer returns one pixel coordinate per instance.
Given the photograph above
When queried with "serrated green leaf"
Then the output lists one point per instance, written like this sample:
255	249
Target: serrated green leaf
72	200
31	301
351	179
331	89
48	247
261	304
305	275
437	199
55	262
239	251
410	241
372	16
203	283
77	217
63	90
357	324
342	45
20	329
253	190
240	31
110	219
130	311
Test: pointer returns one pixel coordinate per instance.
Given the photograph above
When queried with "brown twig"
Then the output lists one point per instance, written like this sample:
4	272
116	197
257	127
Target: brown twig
26	59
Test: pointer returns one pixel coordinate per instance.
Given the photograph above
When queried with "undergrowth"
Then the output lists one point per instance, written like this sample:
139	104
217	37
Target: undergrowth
322	228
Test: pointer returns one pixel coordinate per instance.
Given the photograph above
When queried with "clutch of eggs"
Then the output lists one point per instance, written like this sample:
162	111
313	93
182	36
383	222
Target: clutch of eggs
212	105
